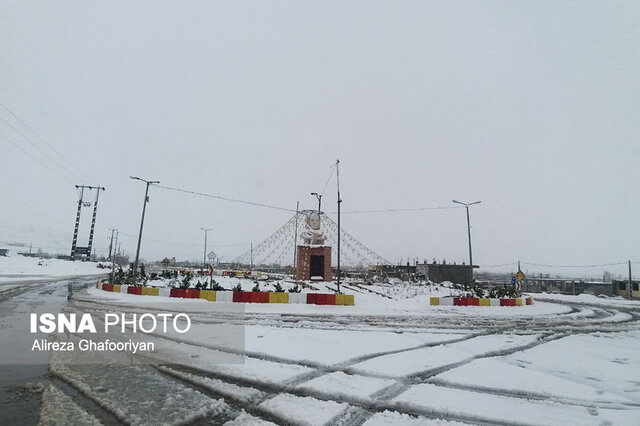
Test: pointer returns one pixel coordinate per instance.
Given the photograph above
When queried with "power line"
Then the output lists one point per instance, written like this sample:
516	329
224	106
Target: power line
219	197
399	210
333	169
43	141
41	161
499	265
37	148
574	266
182	244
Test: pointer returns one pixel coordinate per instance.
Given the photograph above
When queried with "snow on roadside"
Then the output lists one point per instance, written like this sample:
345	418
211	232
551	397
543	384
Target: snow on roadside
417	360
393	418
515	410
352	385
245	419
496	373
304	410
15	267
138	395
605	361
240	393
58	409
588	299
332	346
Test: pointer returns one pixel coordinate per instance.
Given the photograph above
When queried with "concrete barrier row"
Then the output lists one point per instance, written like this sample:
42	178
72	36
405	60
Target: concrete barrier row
480	301
234	296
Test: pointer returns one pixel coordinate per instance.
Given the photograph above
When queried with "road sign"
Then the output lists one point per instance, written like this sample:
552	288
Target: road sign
520	275
513	280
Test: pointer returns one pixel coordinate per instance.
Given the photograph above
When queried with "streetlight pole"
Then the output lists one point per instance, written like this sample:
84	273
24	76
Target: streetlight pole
466	205
339	202
319	197
204	256
144	207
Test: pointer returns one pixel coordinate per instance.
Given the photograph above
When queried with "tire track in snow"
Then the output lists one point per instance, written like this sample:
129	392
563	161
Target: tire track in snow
615	405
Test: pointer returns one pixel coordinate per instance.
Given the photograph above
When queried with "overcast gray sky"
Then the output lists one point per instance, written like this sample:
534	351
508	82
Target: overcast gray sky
530	106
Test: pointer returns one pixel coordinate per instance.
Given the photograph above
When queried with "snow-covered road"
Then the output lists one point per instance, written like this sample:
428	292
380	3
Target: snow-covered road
562	362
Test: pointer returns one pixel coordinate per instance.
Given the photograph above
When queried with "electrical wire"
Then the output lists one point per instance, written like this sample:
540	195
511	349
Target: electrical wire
333	169
182	244
14	115
399	210
38	159
573	266
499	265
219	197
37	148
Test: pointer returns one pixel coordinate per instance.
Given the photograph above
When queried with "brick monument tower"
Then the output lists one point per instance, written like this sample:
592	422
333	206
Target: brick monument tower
313	256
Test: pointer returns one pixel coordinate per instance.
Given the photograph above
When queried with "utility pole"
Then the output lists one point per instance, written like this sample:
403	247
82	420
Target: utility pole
111	257
111	242
251	261
319	197
339	202
144	207
630	282
466	205
93	220
116	247
295	242
74	248
204	256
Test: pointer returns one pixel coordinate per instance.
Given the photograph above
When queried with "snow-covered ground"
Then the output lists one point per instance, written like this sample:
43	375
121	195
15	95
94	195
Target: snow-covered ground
384	361
15	268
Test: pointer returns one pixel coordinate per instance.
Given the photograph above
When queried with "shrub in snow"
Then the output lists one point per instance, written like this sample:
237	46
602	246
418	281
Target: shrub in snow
237	288
215	286
256	287
295	289
278	288
186	279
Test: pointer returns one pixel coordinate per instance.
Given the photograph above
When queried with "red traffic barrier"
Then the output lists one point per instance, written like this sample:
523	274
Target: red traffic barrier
312	298
331	299
473	301
107	287
263	297
458	301
242	296
191	293
529	300
135	290
176	292
507	302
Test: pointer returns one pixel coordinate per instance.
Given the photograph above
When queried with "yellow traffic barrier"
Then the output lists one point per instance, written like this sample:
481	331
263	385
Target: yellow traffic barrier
278	297
484	301
149	291
518	301
340	299
116	288
349	300
209	295
434	301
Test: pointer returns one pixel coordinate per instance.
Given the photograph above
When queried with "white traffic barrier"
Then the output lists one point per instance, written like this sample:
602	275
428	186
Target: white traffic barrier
446	301
297	297
224	296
